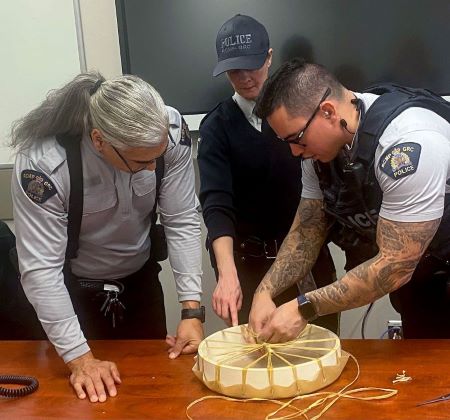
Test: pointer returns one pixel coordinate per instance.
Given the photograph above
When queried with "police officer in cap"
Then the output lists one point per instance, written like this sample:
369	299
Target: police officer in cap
250	182
376	174
111	287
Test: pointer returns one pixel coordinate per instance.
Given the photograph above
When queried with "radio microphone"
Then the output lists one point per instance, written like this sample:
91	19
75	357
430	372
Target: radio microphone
344	126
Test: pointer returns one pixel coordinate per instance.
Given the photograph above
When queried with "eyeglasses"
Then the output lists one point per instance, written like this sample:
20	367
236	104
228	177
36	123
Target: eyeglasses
297	138
171	142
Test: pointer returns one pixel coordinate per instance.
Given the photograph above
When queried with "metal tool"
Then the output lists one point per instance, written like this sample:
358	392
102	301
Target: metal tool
445	397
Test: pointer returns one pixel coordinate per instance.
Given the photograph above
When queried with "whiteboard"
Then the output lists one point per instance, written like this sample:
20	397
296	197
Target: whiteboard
39	52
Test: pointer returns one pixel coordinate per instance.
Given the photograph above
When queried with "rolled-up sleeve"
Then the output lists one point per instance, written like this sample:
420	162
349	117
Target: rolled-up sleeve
41	231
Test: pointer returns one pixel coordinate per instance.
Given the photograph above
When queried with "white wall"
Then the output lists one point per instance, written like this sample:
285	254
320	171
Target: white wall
39	50
100	36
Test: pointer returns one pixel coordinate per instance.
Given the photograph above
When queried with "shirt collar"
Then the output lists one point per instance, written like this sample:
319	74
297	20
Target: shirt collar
246	105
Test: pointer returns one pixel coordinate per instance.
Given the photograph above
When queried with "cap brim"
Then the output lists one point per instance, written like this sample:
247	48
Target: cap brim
245	62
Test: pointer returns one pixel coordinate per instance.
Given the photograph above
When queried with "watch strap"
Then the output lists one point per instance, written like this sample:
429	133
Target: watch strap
190	313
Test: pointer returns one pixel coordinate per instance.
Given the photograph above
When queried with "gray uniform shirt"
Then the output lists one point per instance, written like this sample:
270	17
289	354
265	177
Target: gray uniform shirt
114	238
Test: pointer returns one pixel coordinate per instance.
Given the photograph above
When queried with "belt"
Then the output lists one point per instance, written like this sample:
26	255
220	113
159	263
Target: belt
255	247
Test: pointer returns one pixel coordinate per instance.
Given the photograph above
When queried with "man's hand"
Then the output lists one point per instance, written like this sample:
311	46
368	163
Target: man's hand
227	298
90	376
262	308
189	335
284	324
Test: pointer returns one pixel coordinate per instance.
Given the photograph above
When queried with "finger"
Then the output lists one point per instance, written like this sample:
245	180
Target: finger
177	348
225	311
219	307
239	302
234	315
268	338
90	389
109	384
99	388
260	324
273	338
255	326
278	336
265	334
79	390
170	340
249	336
115	373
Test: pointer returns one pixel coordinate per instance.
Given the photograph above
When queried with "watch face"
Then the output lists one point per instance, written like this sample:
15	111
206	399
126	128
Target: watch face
306	308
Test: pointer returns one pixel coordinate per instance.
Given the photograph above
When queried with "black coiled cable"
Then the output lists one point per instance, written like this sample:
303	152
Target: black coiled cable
30	385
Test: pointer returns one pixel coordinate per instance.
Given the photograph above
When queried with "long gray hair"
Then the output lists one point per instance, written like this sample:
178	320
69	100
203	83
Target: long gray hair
127	110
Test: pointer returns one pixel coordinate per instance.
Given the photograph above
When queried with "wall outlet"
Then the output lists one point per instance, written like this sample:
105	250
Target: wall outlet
395	330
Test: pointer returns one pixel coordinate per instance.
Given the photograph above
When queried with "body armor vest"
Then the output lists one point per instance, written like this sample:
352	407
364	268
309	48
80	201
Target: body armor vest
352	195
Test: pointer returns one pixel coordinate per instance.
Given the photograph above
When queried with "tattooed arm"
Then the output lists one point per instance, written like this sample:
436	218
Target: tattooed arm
401	246
294	261
299	250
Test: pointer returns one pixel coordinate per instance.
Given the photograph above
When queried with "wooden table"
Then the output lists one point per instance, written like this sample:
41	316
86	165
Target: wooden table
155	387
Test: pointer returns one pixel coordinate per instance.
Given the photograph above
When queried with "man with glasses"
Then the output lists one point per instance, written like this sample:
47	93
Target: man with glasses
376	179
144	164
90	150
250	182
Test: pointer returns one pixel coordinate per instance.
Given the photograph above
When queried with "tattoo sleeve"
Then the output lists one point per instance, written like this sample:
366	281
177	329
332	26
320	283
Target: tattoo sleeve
299	250
401	246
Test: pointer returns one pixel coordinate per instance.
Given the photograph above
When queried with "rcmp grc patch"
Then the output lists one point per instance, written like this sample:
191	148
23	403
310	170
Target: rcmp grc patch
37	186
401	160
185	135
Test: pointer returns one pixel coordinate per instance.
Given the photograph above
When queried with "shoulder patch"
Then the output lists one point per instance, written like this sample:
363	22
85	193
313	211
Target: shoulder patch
185	135
400	160
37	186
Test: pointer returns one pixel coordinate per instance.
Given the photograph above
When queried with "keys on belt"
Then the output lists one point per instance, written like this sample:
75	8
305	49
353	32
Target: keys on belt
111	290
112	305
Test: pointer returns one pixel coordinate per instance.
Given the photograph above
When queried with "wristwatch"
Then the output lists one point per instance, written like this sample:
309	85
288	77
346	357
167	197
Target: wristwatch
306	308
190	313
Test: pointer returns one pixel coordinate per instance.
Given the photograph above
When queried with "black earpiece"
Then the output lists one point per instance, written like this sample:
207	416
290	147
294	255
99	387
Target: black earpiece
357	103
344	126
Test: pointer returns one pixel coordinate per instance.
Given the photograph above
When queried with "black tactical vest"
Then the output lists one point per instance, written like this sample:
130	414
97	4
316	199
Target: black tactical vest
351	192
